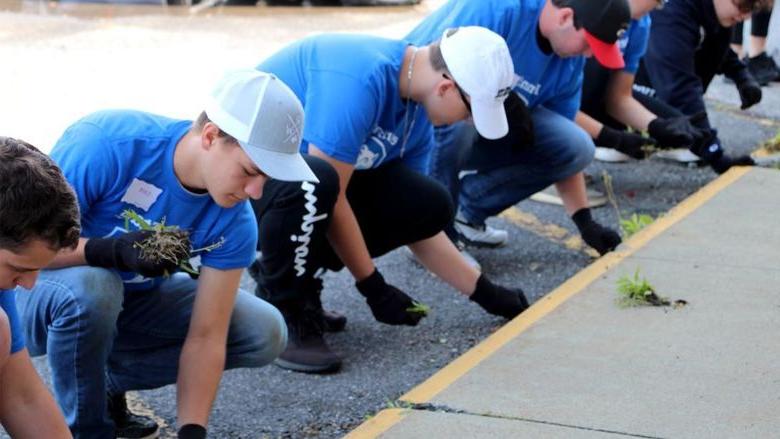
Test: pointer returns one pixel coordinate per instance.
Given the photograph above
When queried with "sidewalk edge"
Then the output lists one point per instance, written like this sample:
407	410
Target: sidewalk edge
442	379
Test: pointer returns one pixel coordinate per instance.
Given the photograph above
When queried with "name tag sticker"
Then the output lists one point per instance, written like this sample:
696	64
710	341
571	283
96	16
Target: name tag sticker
141	194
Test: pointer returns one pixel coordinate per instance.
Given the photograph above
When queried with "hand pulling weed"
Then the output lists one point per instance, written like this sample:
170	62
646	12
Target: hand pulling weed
628	226
166	243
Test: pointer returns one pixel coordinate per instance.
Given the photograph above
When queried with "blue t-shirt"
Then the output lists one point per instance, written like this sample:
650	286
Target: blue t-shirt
122	159
8	303
348	85
633	43
547	80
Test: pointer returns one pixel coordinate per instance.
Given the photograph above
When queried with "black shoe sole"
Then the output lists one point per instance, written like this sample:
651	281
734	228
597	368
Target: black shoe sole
308	368
479	244
153	435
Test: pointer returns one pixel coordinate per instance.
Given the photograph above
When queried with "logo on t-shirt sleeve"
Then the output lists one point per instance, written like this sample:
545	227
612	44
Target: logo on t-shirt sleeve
141	194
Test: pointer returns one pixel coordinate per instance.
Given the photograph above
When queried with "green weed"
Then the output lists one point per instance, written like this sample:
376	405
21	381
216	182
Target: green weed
636	291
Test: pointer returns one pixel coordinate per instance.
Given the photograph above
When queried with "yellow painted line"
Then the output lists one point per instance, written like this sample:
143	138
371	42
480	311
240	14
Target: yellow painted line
442	379
553	232
378	424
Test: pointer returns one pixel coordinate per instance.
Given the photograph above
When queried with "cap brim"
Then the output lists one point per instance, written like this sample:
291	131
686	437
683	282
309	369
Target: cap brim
280	166
608	55
489	119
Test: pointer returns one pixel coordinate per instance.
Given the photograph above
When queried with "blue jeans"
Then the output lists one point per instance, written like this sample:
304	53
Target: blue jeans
488	177
102	339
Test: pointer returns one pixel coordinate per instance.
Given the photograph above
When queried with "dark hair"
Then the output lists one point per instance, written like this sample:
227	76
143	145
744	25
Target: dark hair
202	120
435	56
36	202
753	5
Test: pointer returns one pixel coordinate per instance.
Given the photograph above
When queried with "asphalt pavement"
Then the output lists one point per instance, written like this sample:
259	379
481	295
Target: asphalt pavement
70	61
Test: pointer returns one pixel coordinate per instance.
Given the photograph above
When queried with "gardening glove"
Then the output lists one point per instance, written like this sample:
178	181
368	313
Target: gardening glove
628	143
388	304
724	162
601	238
676	132
124	253
498	300
711	152
192	431
749	92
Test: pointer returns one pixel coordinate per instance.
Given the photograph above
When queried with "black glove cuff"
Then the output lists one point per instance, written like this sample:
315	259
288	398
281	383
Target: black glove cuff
372	285
99	252
192	431
608	137
654	126
482	291
582	218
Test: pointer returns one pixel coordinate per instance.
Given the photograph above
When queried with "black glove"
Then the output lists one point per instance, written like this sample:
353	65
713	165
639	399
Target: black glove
123	253
628	143
723	163
388	304
498	300
601	238
749	92
676	132
192	431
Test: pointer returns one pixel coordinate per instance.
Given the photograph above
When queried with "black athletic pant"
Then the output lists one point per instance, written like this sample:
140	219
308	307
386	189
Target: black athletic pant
594	93
759	26
394	206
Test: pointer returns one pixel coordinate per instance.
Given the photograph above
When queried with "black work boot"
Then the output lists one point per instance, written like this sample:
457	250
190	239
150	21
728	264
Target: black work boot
331	320
129	425
307	350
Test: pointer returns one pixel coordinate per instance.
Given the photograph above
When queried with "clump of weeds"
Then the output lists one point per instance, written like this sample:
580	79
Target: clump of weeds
636	291
773	144
632	224
419	308
166	244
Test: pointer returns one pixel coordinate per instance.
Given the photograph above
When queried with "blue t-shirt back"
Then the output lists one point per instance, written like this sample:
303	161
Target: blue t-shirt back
633	43
547	80
122	159
8	303
348	85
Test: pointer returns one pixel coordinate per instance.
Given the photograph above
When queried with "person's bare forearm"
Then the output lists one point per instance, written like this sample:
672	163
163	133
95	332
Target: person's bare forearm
589	124
439	255
200	370
70	258
631	112
347	241
27	409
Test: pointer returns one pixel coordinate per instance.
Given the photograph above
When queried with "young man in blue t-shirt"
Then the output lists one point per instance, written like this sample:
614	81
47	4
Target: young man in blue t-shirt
111	316
370	104
38	217
547	39
609	104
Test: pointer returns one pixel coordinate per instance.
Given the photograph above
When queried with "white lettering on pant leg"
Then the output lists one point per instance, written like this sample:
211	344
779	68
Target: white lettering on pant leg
307	226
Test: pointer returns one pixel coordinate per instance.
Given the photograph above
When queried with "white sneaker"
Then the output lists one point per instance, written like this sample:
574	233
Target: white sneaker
610	155
471	260
549	195
678	155
480	235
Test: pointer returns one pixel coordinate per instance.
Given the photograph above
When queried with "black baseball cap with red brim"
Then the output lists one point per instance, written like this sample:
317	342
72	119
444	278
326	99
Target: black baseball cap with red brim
604	21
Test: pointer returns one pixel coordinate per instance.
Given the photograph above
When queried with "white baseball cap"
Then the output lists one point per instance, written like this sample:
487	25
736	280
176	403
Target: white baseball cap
265	117
481	65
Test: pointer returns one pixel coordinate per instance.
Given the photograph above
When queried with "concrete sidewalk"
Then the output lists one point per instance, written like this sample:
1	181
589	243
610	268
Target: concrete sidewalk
577	365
